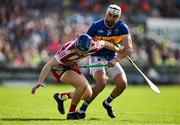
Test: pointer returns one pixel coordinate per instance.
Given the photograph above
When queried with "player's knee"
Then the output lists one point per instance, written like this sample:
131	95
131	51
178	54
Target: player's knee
120	81
101	82
100	77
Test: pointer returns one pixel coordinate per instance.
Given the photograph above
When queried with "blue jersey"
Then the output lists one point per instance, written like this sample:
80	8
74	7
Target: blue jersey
99	31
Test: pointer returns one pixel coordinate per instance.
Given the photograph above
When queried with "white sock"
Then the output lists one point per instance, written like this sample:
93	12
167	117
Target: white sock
84	105
80	111
107	103
59	96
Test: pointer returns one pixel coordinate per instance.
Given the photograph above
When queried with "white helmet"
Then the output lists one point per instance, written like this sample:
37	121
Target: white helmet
114	9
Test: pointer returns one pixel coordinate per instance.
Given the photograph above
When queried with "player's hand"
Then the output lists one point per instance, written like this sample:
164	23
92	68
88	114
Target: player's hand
111	63
119	50
37	85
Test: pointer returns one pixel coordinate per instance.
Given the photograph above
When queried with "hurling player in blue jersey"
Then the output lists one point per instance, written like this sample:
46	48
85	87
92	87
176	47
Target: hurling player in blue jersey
115	31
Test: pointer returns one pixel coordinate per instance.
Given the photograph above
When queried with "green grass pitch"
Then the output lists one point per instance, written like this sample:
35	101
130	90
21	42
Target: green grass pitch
138	105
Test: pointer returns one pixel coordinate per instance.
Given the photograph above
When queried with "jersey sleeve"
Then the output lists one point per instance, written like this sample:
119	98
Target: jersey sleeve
92	30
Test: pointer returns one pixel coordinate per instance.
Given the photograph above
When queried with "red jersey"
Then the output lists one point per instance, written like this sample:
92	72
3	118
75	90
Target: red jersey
67	54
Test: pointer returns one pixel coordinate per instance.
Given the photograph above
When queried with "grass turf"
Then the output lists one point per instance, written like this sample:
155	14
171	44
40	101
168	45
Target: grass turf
138	105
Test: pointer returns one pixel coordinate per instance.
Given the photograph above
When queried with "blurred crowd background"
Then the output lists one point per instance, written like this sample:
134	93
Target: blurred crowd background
32	31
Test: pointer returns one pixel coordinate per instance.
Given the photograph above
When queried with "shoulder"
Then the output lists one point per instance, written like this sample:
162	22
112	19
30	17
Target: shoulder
92	31
122	24
98	22
123	27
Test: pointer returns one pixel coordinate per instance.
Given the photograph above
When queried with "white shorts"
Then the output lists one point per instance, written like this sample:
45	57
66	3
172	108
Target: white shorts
110	72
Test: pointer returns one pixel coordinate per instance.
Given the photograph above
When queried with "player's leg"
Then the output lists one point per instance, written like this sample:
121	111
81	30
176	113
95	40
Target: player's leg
118	76
97	88
81	85
61	97
120	82
100	77
88	93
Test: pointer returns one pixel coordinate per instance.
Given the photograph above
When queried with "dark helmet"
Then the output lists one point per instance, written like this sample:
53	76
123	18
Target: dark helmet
83	42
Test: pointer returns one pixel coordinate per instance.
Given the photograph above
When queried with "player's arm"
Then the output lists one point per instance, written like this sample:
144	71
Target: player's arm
44	72
109	46
126	48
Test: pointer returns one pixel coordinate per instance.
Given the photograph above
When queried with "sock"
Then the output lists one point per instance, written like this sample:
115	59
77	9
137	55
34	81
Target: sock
72	108
64	96
83	107
109	100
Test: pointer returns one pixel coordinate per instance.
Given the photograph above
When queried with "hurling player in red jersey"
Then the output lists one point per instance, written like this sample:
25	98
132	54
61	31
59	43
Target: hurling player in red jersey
66	58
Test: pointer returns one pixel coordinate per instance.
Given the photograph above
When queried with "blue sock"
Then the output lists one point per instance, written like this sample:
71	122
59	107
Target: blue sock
83	107
109	100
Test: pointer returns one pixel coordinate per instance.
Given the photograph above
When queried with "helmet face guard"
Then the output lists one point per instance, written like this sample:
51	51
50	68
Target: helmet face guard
83	42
